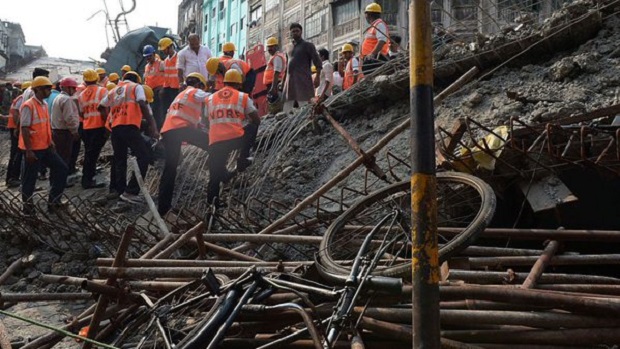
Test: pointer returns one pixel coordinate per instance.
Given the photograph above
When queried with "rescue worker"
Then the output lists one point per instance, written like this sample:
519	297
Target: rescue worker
65	120
276	68
216	70
127	104
35	140
376	44
181	125
326	78
126	68
248	74
103	79
352	72
93	127
113	78
227	109
154	78
171	78
110	86
13	171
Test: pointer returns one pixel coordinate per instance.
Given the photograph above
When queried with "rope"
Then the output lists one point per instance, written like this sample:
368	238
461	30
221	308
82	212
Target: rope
59	330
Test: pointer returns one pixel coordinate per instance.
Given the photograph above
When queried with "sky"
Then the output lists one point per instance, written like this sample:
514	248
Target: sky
63	28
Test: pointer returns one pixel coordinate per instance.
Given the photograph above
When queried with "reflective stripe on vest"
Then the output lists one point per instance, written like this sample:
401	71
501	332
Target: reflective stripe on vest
270	72
185	111
226	114
40	129
124	109
171	76
349	75
370	39
11	123
153	75
89	101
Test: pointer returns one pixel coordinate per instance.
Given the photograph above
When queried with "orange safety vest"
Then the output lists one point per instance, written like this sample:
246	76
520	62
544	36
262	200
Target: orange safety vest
154	77
349	75
40	128
89	101
171	76
270	72
185	111
11	123
226	114
124	108
229	61
370	39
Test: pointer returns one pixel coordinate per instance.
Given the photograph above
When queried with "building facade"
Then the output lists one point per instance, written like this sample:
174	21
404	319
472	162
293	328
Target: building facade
225	21
189	19
327	23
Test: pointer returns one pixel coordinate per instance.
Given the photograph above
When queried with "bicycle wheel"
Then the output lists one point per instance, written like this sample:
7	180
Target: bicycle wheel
463	201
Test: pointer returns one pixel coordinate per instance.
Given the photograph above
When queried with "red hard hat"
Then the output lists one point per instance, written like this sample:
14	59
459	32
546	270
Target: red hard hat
68	82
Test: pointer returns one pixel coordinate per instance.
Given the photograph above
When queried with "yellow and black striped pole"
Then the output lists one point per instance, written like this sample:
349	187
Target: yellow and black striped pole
425	252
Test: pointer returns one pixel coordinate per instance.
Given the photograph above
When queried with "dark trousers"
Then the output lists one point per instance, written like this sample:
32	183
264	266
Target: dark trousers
14	167
218	157
63	139
158	112
94	140
58	176
125	137
167	95
172	145
75	152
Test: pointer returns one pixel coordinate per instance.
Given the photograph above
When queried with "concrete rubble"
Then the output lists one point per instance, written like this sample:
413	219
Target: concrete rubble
531	180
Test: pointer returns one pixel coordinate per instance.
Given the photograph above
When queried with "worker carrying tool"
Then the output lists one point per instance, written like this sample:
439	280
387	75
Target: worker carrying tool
94	134
127	104
248	74
376	44
154	77
274	75
227	110
35	140
181	125
171	77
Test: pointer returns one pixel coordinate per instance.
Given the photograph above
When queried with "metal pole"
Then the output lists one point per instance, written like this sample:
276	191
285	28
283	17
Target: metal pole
425	251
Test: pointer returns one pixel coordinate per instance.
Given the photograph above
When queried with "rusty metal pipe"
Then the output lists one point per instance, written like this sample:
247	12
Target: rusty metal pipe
178	263
233	254
43	297
570	337
264	239
612	290
543	234
592	259
541	264
575	304
488	277
486	251
158	272
16	265
180	241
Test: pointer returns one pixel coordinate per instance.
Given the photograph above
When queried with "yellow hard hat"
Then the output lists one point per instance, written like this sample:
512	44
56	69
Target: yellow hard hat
41	81
110	86
131	72
90	75
148	93
114	77
347	48
212	64
228	47
164	43
26	84
233	75
272	41
373	7
100	71
313	69
198	76
126	68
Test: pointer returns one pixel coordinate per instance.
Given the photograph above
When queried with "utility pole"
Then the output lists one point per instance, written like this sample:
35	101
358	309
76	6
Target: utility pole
425	252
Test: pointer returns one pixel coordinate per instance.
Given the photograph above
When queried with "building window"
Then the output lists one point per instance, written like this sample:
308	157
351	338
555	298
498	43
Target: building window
206	20
213	12
256	14
219	47
222	9
317	23
346	12
241	23
436	11
464	10
233	29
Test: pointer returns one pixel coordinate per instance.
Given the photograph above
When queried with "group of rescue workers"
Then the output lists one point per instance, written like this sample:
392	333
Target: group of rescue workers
49	122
